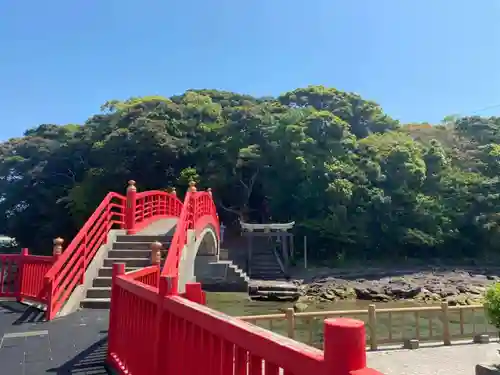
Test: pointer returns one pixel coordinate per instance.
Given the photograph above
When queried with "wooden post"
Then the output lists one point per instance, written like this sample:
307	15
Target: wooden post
290	322
156	253
131	207
284	250
372	326
249	256
305	252
446	323
57	248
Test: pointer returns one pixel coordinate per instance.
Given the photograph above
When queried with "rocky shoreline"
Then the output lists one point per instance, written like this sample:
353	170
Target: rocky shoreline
457	287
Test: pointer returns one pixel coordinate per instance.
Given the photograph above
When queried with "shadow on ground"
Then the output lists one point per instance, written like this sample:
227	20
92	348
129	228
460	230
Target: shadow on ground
27	314
88	361
11	307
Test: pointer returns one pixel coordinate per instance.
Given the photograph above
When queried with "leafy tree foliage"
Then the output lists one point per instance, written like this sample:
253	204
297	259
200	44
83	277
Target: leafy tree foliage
360	184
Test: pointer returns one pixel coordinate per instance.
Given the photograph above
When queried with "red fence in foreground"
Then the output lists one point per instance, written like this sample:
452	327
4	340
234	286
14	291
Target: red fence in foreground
22	275
154	332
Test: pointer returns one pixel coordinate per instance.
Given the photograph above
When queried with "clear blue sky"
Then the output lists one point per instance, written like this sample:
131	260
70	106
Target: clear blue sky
421	60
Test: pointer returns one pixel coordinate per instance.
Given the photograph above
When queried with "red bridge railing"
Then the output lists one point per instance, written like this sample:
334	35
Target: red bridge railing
153	329
51	280
198	212
155	332
132	212
22	275
69	269
144	208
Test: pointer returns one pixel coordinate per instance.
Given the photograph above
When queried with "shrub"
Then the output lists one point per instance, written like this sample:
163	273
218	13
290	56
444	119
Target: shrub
492	304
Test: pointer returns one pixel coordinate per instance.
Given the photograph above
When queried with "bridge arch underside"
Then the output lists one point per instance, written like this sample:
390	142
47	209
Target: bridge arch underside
201	251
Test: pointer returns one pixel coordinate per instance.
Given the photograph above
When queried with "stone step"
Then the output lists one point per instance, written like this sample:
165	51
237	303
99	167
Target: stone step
146	246
240	273
129	253
129	262
277	292
143	238
273	286
243	275
96	303
266	270
108	271
102	281
266	277
266	267
258	263
265	264
276	272
99	292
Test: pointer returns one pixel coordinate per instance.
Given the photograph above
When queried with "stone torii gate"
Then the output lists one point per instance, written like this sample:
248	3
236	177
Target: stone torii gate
272	230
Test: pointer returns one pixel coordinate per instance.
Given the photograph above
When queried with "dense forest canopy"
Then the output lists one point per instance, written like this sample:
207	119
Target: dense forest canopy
357	182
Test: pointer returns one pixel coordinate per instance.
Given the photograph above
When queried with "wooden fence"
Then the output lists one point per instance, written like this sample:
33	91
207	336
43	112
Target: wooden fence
387	326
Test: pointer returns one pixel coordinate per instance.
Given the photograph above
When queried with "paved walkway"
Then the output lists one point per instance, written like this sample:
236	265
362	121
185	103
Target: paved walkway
458	359
75	344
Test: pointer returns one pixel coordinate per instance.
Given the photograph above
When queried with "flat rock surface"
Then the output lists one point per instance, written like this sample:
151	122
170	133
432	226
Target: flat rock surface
458	359
273	283
75	344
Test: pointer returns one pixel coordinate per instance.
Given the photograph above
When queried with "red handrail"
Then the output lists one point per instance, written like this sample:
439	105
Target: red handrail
133	212
147	275
205	212
154	205
69	269
153	332
198	212
185	222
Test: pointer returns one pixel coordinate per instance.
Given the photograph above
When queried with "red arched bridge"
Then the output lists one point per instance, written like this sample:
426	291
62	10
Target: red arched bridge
159	323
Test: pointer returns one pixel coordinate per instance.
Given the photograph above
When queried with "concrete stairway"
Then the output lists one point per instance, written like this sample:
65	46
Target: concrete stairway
135	252
264	265
220	275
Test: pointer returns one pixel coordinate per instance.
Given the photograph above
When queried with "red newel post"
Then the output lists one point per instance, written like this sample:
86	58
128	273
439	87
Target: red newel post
130	207
344	346
118	270
195	293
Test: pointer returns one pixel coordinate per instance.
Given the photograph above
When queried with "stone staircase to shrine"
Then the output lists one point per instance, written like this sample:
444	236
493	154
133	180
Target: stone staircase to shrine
135	252
265	265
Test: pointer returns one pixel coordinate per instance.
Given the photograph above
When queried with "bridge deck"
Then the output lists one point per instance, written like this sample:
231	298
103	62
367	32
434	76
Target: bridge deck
160	227
75	344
